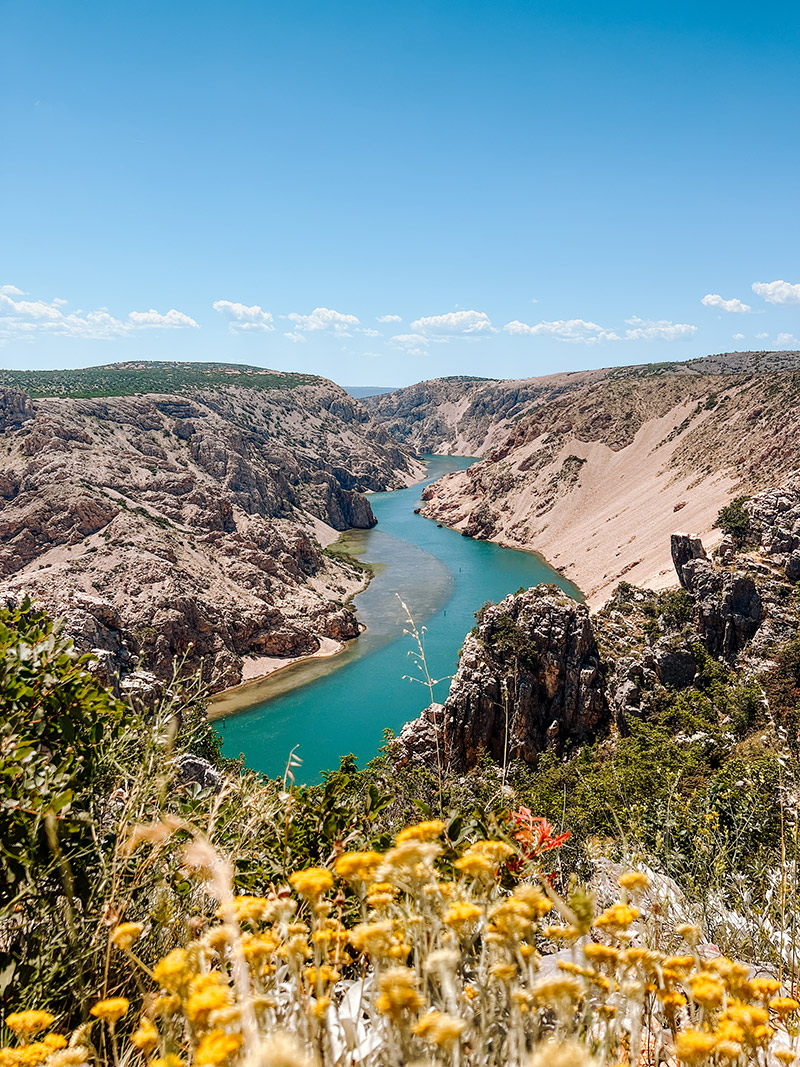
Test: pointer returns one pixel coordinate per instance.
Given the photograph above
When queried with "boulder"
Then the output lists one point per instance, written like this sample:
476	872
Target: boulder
529	680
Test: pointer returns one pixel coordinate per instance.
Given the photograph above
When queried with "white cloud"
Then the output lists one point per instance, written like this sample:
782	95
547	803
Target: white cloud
762	336
453	323
240	317
25	318
10	290
661	330
413	343
578	331
777	292
324	319
296	337
735	306
389	318
370	333
786	339
738	337
30	309
172	320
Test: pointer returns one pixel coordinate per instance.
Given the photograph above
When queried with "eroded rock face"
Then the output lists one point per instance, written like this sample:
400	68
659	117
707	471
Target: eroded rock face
164	526
775	521
728	607
684	548
528	680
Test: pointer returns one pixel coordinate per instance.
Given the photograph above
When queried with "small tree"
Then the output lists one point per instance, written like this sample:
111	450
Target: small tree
734	520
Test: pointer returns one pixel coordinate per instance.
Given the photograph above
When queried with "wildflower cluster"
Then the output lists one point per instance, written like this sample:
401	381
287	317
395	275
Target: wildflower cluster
443	964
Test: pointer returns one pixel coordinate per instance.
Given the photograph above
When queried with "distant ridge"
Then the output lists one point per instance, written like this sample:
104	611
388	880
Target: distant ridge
143	377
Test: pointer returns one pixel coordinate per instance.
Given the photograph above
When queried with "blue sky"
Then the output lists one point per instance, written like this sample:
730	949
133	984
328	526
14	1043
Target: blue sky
385	192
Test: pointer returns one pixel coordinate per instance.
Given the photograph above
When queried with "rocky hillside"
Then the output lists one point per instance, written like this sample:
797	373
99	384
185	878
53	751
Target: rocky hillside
181	510
593	469
539	674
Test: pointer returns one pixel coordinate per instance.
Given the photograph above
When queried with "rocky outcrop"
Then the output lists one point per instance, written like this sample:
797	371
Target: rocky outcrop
188	524
775	525
529	679
684	548
538	673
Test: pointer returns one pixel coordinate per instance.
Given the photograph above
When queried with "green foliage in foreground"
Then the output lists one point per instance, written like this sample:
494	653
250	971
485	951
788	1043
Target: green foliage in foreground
692	791
128	379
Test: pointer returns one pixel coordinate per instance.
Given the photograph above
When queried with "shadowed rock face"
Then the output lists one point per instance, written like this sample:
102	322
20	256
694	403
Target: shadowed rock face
165	526
528	680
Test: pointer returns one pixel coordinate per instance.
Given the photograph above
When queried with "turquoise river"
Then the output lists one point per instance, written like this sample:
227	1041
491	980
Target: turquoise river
330	707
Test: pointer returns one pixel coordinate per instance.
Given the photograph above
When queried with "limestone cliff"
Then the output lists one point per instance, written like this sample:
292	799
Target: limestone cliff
592	468
189	522
539	674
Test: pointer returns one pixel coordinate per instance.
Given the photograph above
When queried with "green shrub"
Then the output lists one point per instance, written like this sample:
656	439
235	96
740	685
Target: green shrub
734	520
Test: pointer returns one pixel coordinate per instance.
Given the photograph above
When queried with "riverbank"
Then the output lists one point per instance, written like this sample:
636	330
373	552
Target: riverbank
258	669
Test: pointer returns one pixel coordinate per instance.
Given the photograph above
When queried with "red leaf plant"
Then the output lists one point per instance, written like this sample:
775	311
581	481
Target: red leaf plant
535	837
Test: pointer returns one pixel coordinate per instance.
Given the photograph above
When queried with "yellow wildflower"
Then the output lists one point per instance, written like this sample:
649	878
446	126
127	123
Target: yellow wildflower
534	898
555	991
562	1054
200	1005
634	881
689	932
322	974
172	971
54	1041
439	1028
678	963
483	857
145	1038
166	1004
672	1000
170	1060
601	954
503	972
706	991
311	883
112	1009
375	938
421	831
411	854
764	988
784	1005
216	1047
283	1050
358	866
250	909
30	1022
124	935
462	914
69	1057
470	992
398	993
617	917
693	1046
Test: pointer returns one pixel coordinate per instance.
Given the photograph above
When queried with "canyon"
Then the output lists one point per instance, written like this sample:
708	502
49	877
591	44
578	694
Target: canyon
183	511
595	469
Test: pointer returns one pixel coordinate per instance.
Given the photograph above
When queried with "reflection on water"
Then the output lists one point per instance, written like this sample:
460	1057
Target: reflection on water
330	707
